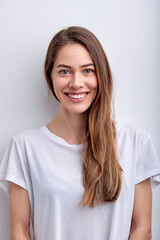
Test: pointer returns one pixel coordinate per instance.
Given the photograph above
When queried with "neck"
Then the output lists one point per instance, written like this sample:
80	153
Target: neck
70	126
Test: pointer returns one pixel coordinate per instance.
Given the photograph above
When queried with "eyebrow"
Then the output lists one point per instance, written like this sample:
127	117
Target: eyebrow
82	66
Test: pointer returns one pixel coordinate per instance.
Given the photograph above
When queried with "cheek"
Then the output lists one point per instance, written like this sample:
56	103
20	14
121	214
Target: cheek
95	84
55	85
92	83
58	86
95	87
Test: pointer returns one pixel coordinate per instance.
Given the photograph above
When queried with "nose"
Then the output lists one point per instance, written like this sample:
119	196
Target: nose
76	81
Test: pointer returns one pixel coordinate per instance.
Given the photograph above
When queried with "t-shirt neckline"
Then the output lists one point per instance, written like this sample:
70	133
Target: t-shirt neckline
60	140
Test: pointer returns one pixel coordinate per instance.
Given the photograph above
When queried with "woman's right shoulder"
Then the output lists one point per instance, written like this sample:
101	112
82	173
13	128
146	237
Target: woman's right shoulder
26	135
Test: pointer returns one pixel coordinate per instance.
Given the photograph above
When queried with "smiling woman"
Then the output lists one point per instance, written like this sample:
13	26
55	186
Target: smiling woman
83	175
85	102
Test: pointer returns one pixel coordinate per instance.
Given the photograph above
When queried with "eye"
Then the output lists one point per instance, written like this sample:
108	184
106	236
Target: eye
64	72
88	70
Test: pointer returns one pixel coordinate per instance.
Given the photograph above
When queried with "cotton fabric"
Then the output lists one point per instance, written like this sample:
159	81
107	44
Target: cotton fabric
50	170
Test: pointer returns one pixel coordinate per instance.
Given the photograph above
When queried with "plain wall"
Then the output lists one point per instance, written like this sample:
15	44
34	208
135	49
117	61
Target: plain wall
130	34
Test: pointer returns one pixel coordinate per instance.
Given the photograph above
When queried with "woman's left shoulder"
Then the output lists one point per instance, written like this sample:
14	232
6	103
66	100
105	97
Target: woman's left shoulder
133	130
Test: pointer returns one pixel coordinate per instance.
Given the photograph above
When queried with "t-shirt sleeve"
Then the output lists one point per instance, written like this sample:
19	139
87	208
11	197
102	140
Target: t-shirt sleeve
148	163
12	167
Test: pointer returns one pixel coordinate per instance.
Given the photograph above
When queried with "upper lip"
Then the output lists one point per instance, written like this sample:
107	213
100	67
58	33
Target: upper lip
76	93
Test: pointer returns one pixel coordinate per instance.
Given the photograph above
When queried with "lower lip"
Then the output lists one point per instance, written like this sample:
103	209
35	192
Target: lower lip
76	99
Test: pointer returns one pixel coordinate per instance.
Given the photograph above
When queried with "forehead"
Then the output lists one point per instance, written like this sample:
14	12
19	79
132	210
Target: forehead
73	53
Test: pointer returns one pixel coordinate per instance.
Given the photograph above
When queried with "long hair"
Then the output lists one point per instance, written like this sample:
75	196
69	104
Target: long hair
101	171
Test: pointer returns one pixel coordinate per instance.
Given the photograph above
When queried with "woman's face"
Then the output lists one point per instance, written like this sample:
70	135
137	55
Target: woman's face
74	79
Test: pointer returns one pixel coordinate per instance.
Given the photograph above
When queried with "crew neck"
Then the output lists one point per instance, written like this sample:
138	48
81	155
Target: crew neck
61	140
58	139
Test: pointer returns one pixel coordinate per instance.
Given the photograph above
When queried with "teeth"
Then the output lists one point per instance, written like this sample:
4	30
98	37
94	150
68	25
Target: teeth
77	96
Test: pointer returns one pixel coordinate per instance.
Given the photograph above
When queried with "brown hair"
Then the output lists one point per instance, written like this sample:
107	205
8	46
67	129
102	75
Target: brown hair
102	173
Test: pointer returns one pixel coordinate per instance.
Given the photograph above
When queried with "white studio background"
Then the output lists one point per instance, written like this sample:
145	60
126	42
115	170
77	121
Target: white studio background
130	34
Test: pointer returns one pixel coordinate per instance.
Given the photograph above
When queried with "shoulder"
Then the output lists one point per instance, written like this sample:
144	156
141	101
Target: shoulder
131	135
132	130
27	135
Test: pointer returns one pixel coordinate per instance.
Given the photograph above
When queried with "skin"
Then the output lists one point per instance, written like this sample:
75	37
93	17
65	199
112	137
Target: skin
142	212
70	126
20	211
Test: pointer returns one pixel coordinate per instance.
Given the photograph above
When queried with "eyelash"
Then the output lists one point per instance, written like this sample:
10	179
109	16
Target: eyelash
62	71
66	71
91	70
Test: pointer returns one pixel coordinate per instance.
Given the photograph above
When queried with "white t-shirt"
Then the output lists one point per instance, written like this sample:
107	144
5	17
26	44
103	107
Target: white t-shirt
50	169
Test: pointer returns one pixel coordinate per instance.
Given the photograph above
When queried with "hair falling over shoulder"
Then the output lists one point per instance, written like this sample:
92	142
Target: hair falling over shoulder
101	173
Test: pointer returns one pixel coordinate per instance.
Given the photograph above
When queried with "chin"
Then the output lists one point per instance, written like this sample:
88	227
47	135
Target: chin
77	111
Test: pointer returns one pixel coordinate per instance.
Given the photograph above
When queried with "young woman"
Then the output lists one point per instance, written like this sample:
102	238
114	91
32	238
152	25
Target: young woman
83	175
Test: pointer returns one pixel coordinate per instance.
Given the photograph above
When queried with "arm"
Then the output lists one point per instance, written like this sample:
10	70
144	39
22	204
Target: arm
21	236
19	213
142	211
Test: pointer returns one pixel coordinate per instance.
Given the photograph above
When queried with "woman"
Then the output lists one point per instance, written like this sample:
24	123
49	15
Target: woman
81	176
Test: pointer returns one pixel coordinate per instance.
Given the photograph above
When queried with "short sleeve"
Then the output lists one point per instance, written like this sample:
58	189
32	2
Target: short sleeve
148	163
12	167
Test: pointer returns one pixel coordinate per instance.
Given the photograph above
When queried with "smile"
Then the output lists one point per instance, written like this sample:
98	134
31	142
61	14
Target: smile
77	96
